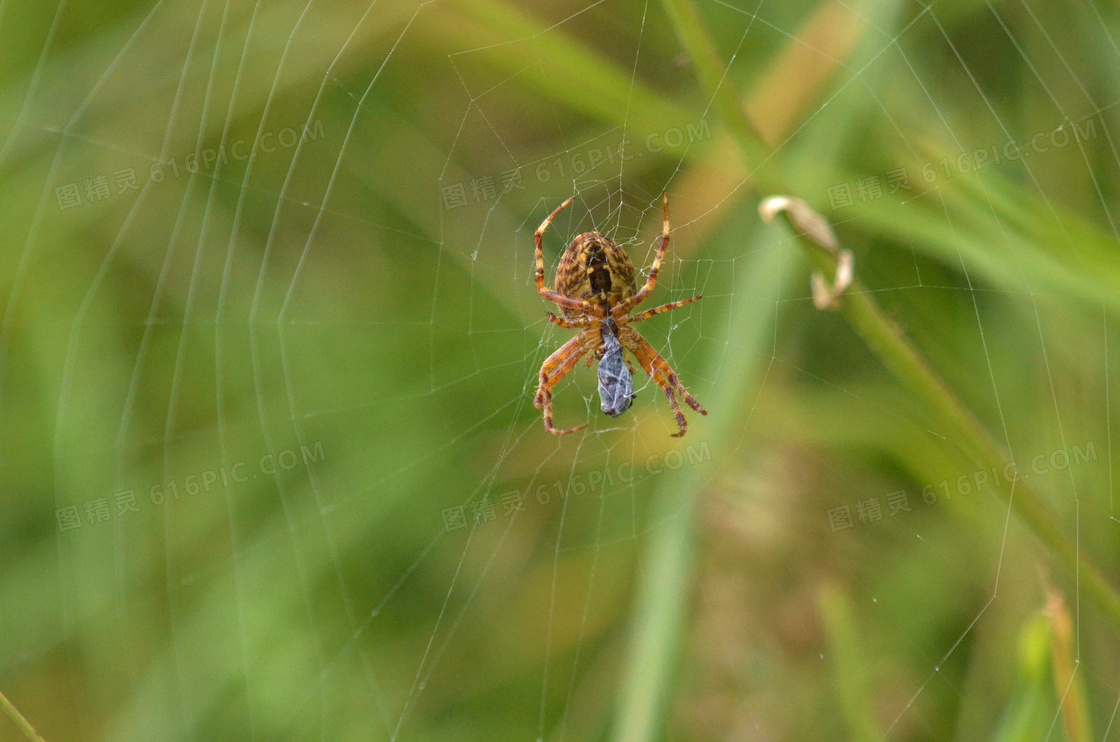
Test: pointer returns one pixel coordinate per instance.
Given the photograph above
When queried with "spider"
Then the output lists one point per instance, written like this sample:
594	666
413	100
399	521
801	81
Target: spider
595	287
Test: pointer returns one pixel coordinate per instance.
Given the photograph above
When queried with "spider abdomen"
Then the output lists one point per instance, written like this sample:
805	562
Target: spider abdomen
594	268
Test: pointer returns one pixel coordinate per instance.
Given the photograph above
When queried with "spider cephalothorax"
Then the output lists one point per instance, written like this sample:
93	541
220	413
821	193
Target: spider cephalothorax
596	290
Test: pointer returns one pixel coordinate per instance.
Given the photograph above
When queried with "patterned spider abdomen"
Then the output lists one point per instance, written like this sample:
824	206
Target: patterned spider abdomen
595	269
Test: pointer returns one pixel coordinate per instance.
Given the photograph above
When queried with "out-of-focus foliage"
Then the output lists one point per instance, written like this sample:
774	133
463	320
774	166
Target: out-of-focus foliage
255	346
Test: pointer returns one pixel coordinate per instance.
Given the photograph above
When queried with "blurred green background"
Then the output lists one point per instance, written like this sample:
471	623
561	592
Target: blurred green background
270	338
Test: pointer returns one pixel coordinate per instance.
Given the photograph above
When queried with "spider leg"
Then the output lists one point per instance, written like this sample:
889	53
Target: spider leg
662	374
663	308
555	368
568	323
564	301
651	280
676	411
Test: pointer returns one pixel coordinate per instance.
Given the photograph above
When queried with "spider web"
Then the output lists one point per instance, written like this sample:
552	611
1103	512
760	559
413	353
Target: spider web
359	300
